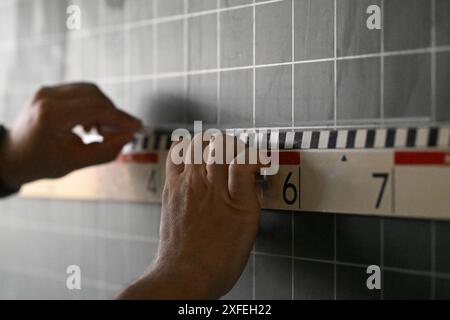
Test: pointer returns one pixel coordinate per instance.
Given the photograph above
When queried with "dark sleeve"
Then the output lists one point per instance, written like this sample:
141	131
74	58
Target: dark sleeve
4	191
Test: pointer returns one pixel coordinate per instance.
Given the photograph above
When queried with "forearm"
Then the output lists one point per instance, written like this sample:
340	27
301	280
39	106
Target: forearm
7	184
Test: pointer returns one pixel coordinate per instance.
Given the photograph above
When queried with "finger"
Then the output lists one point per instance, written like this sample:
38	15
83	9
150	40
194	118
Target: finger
106	151
242	184
174	161
193	161
98	113
222	150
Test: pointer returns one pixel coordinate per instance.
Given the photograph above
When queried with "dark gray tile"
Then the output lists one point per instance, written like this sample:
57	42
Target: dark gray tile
274	96
407	86
236	36
234	3
158	108
351	284
202	98
236	98
170	8
443	247
314	235
358	89
407	24
275	233
314	29
140	50
273	278
353	35
358	239
243	289
442	89
201	5
170	46
138	10
314	93
406	286
313	280
202	42
442	22
407	244
274	32
442	289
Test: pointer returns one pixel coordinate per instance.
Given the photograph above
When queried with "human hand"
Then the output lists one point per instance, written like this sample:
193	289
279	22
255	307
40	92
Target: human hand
40	144
210	218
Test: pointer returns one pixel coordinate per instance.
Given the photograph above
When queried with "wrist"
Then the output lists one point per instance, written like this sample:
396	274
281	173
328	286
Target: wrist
164	281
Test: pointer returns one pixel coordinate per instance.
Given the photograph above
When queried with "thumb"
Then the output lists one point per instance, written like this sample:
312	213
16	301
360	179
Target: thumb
242	184
108	150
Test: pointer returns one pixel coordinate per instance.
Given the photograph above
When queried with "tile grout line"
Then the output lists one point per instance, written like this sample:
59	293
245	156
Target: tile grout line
127	65
293	59
254	122
335	126
335	256
185	57
145	77
355	264
155	44
382	256
335	63
293	124
433	260
293	255
254	64
132	25
433	60
382	64
433	117
219	64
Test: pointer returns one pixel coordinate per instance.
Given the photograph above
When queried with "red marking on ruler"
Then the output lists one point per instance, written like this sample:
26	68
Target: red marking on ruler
289	158
139	157
422	158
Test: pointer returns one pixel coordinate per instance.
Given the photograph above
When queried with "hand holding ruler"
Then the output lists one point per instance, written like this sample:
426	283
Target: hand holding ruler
402	172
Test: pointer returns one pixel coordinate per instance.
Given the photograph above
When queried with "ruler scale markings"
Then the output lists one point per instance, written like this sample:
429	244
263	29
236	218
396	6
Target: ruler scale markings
341	139
370	139
400	137
411	137
360	140
306	139
403	172
332	140
380	138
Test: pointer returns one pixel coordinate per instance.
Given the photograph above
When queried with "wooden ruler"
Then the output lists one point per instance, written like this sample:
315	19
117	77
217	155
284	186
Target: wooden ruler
402	172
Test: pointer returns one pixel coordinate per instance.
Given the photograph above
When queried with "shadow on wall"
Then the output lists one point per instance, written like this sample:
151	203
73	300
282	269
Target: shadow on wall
169	111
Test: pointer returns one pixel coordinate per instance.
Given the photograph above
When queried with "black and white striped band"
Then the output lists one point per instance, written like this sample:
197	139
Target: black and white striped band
380	138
